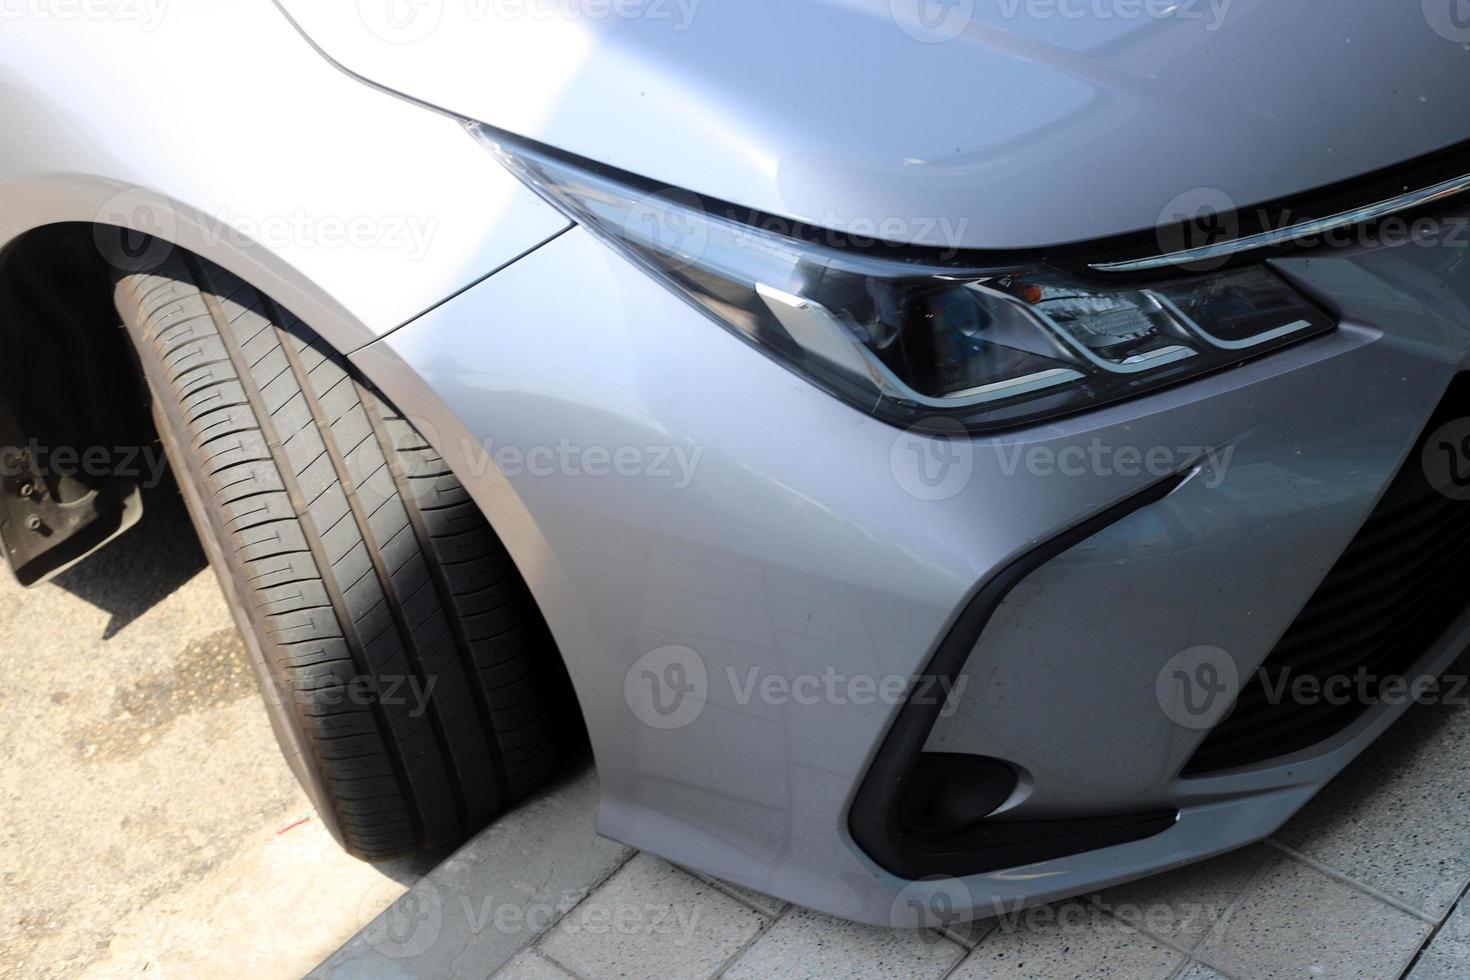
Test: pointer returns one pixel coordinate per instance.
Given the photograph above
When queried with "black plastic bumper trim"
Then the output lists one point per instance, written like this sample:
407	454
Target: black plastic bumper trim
874	820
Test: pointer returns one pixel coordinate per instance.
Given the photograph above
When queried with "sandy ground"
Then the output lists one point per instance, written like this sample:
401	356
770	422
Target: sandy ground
147	820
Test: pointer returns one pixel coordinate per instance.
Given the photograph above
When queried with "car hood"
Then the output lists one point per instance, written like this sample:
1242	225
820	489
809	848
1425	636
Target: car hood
958	123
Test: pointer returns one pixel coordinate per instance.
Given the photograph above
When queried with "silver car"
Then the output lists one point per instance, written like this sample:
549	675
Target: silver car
946	455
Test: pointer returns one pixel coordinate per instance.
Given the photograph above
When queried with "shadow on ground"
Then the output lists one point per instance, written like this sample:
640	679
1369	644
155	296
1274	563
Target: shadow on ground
144	566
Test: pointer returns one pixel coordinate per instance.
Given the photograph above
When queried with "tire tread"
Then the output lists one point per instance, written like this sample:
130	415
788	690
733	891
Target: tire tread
365	560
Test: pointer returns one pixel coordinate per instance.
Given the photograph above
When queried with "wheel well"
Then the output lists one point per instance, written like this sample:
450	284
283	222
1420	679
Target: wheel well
70	381
76	440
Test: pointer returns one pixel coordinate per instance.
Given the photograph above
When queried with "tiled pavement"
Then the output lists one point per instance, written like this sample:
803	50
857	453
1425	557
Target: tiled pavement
1368	881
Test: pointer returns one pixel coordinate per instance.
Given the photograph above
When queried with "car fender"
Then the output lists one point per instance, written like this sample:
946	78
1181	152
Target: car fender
213	125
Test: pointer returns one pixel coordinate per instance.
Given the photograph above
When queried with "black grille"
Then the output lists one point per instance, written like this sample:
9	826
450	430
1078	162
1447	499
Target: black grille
1400	583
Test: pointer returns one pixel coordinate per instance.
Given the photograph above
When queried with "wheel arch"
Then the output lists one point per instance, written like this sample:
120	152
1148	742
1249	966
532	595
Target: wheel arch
119	215
85	255
56	269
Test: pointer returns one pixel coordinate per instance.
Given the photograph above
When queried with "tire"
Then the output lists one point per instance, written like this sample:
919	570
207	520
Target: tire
403	661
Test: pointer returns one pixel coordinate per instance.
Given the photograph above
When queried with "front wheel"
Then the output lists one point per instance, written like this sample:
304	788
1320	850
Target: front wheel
403	661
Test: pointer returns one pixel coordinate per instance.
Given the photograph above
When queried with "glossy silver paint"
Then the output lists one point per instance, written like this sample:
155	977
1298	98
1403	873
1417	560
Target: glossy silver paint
797	541
796	547
995	124
212	124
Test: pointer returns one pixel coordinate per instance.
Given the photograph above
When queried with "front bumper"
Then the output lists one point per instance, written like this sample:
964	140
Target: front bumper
705	529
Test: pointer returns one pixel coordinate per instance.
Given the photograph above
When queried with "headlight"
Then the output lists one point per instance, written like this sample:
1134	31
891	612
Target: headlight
906	341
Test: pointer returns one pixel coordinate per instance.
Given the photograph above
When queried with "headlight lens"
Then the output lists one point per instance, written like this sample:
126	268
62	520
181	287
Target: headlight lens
906	341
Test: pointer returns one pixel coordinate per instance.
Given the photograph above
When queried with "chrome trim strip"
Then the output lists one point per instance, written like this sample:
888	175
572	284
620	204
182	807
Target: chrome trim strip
1281	236
1019	386
1296	326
